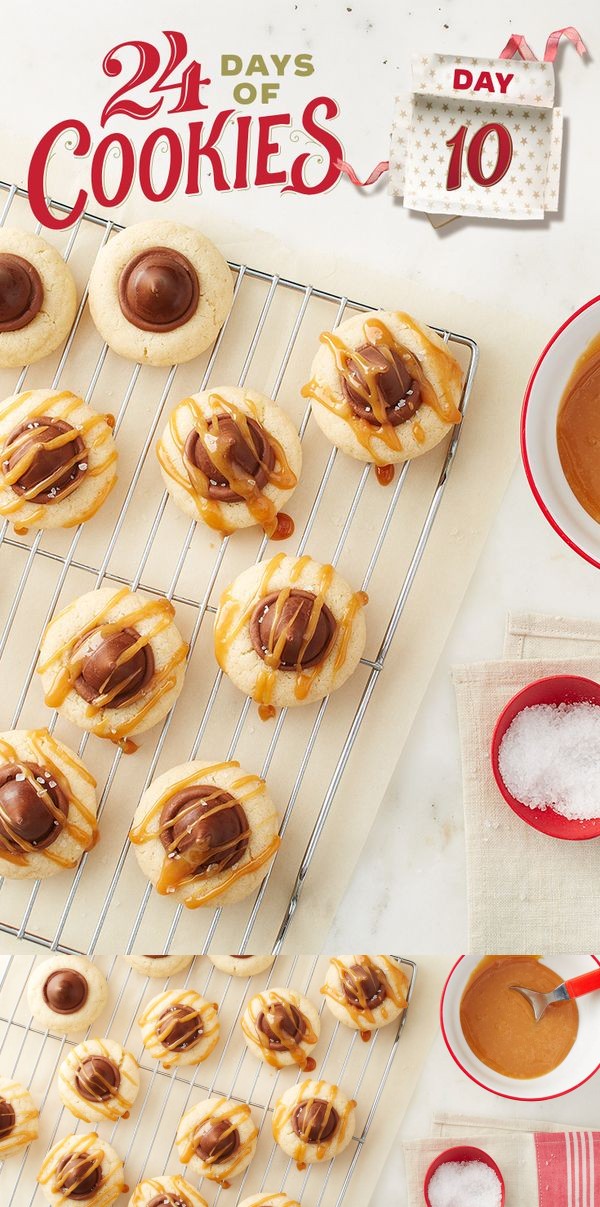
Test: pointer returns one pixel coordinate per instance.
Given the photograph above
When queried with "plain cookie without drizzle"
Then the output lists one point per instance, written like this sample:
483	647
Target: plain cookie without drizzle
160	292
38	298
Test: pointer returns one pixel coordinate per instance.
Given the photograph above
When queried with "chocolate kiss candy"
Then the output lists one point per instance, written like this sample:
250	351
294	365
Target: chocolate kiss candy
315	1120
364	986
206	824
97	1079
158	290
216	1141
26	819
270	623
281	1021
77	1176
8	1118
65	991
178	1027
102	671
393	382
246	461
21	292
38	433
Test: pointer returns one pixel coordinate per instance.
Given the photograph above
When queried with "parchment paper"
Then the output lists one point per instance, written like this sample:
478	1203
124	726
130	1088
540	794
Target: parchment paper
485	459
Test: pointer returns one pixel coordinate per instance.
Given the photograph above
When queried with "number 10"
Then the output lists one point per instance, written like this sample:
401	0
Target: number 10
504	155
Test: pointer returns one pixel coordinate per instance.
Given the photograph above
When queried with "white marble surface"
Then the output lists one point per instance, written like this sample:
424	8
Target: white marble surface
409	889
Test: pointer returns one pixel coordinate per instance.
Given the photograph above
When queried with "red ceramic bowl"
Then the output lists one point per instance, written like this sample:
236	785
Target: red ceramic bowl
462	1153
556	689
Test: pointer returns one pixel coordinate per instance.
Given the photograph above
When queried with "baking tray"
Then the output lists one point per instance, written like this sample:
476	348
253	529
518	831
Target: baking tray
145	1142
139	538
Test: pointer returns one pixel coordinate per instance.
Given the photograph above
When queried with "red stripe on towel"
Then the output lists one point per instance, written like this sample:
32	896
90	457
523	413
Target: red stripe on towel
568	1169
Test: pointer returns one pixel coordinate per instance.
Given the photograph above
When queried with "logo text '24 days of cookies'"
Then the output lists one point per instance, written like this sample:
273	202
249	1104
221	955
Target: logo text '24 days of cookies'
165	82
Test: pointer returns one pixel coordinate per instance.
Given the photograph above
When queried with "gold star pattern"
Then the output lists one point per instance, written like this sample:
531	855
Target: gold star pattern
436	111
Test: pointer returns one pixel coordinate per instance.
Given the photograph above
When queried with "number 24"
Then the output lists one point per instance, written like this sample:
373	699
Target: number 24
149	66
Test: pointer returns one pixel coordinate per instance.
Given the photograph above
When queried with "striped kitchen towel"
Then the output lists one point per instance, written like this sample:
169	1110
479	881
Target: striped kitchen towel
546	1168
568	1169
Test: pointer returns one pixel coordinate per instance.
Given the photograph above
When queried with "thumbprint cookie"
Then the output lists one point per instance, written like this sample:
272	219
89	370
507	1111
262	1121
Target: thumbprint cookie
269	1200
113	662
66	994
18	1118
82	1169
217	1139
47	805
160	292
365	992
205	833
99	1080
159	967
57	459
242	966
38	298
173	1191
384	388
313	1121
232	458
281	1027
289	631
179	1028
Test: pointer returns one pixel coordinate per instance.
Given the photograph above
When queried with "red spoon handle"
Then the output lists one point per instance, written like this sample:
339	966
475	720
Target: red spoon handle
583	984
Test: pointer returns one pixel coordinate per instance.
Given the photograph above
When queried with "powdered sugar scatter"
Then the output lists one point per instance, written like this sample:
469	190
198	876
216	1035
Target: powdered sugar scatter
549	758
465	1184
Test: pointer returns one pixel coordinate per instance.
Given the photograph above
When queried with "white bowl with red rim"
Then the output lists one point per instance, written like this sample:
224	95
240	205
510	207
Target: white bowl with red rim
581	1063
538	432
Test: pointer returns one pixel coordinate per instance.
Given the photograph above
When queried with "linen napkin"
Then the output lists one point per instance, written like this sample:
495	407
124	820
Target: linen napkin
543	1164
526	892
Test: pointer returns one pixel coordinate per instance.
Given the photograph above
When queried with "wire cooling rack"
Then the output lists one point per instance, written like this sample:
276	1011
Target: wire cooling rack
140	539
145	1142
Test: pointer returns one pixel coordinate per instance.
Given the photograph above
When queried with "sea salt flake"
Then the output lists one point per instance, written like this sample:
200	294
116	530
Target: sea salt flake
549	758
465	1184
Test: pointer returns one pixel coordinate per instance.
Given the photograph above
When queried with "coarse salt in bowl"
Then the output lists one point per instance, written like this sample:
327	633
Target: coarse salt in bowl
464	1176
554	690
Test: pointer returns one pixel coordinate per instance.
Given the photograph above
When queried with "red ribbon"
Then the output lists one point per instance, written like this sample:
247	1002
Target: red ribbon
517	44
378	170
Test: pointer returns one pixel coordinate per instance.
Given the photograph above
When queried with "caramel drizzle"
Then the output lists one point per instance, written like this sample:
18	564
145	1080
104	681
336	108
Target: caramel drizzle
66	673
395	982
274	1200
196	1005
25	1128
259	1005
178	869
284	1111
62	404
197	485
232	616
235	1114
182	1187
83	830
71	1146
115	1107
377	333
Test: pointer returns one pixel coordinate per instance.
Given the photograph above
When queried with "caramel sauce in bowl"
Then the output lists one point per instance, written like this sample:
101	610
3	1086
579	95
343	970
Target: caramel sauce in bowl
578	430
499	1025
536	1065
560	424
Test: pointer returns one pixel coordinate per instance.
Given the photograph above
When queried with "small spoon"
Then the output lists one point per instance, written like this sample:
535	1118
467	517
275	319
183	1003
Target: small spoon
567	991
